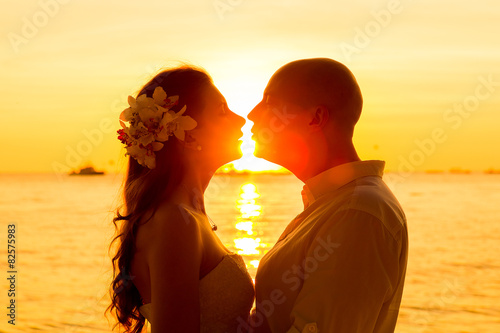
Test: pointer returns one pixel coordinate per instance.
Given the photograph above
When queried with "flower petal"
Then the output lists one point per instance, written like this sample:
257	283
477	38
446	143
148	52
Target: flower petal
159	96
144	101
126	114
178	114
167	118
186	123
180	134
135	151
146	139
161	110
131	101
151	165
157	145
142	98
170	101
146	114
149	161
163	134
138	129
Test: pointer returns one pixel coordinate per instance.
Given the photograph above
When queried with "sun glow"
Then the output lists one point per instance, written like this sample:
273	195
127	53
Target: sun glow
242	96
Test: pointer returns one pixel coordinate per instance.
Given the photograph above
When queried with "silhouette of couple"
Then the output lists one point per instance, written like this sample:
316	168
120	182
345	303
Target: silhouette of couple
339	265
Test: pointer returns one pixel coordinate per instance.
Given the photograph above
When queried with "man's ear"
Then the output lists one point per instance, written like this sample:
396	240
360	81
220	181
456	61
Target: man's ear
320	116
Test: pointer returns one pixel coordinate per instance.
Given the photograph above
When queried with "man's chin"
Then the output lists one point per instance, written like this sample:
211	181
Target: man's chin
259	152
264	153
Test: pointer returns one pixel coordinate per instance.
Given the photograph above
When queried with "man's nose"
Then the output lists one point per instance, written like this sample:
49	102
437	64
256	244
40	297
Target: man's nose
254	113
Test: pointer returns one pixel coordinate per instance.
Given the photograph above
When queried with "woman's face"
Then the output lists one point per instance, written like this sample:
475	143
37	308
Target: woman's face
219	130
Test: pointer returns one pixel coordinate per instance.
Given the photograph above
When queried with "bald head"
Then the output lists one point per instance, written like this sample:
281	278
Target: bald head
320	81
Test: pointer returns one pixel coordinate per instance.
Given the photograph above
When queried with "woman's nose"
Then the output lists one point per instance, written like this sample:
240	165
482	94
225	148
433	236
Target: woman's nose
237	119
241	121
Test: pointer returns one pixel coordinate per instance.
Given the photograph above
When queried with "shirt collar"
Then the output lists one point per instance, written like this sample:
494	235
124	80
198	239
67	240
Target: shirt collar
338	176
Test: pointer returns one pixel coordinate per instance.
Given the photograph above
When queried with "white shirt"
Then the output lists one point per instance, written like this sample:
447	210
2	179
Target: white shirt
340	265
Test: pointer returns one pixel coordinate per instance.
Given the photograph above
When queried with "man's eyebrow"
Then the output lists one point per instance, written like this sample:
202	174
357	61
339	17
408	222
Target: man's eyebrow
267	97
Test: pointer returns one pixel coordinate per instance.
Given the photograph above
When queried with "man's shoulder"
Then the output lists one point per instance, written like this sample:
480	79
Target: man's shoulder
369	195
368	190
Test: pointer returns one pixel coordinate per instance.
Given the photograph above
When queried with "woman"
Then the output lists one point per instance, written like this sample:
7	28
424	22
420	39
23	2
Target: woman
170	268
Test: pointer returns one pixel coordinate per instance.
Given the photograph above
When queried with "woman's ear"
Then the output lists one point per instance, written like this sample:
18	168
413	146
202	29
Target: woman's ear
320	116
191	143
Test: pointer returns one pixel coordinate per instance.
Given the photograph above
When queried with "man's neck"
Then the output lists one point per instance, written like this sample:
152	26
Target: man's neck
320	162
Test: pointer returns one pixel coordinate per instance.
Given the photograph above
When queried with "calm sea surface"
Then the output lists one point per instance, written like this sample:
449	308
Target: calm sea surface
63	229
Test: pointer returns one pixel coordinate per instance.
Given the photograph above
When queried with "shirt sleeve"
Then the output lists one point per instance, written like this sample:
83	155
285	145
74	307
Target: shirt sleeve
350	271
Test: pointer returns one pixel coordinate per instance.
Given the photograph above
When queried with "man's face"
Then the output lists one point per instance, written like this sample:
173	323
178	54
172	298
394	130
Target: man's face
280	125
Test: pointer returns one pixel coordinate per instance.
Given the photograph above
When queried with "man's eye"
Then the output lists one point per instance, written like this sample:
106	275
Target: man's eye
270	105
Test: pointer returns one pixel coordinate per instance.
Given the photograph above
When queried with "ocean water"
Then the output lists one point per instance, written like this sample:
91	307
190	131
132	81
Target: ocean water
63	229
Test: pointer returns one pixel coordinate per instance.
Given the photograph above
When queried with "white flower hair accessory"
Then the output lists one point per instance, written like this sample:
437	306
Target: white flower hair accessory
151	122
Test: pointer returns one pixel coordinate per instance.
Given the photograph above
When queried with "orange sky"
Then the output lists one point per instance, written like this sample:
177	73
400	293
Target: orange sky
429	72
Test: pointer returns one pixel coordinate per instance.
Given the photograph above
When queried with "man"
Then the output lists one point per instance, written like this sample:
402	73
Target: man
340	265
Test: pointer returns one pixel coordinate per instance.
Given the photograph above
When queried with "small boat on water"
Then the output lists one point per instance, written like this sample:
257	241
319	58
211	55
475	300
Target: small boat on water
87	171
434	171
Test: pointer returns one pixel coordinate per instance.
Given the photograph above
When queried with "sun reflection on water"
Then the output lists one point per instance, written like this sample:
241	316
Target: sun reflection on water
249	209
247	245
245	226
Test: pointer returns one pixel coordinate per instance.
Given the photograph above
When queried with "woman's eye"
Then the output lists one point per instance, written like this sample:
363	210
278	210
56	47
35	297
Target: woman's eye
223	109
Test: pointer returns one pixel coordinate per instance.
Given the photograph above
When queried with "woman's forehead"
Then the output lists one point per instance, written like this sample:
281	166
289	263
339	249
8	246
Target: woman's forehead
213	93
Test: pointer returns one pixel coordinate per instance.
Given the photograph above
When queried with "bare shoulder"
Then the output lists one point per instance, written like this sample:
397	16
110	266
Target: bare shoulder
170	238
173	225
175	216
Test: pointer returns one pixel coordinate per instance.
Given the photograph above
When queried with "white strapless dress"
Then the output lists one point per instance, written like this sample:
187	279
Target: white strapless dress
226	296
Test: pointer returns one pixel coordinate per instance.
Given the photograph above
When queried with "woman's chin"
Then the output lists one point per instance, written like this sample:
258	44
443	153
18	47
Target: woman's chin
219	159
233	156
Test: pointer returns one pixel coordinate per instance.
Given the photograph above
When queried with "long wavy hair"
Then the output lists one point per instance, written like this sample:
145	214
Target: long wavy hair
143	190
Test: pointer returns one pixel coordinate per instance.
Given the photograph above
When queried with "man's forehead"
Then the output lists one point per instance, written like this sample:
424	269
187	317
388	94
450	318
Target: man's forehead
283	88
